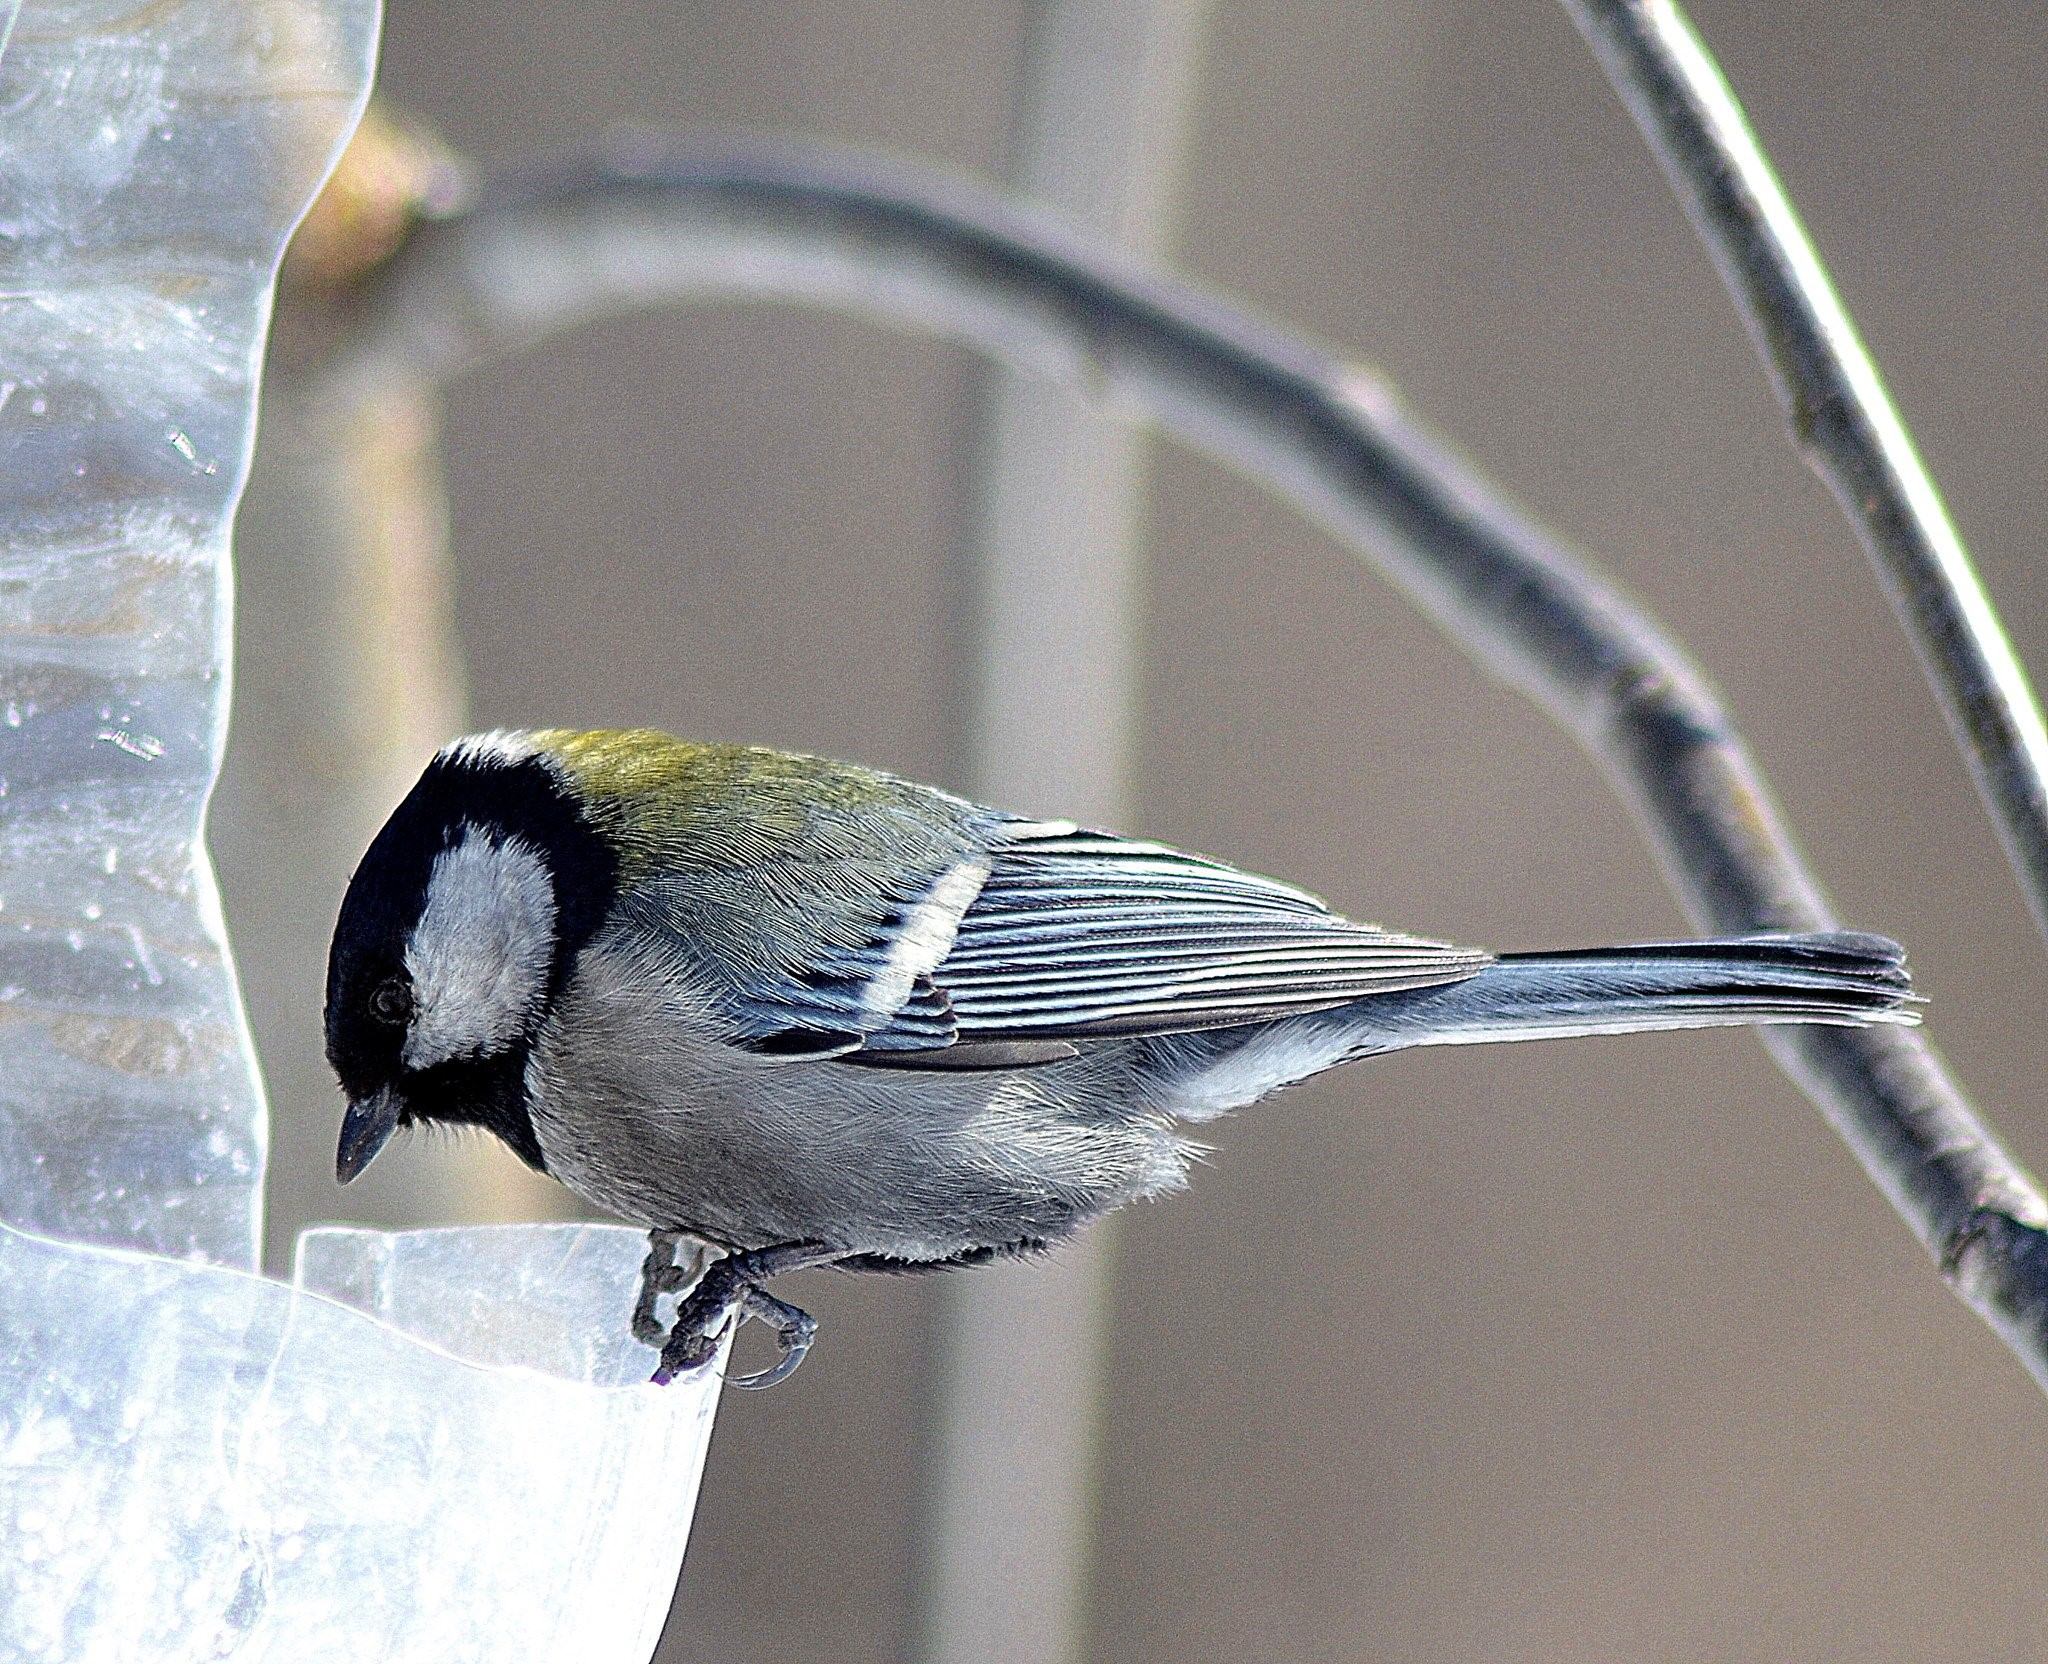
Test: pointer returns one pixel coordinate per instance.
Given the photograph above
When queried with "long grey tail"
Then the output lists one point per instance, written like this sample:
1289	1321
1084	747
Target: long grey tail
1841	977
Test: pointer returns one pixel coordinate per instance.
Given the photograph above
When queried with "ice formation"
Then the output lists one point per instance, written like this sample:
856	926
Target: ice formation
196	1463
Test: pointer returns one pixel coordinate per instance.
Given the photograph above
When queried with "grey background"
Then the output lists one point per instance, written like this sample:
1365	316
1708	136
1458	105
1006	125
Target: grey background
1592	1351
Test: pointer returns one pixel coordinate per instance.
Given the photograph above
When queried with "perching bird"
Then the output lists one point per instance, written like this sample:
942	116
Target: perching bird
812	1014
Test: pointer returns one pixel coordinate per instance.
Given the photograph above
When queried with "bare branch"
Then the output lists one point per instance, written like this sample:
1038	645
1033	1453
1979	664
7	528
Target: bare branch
654	226
1842	419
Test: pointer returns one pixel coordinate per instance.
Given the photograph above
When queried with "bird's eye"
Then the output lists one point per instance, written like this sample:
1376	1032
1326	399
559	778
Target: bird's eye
391	1002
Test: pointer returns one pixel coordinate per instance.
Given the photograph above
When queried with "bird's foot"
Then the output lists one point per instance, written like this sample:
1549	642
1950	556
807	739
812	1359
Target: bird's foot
659	1275
725	1297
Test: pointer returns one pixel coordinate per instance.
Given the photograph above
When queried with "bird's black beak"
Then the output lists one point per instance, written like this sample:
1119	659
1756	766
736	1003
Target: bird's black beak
365	1130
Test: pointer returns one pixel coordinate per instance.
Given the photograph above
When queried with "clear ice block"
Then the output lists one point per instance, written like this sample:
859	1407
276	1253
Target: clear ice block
153	159
427	1452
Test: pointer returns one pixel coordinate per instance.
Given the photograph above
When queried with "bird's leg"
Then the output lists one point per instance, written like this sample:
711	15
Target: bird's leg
729	1293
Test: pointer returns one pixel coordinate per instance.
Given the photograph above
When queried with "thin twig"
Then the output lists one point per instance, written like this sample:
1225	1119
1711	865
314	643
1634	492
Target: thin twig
654	225
1843	421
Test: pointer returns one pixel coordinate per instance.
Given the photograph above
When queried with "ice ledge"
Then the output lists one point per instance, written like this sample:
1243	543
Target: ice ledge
435	1448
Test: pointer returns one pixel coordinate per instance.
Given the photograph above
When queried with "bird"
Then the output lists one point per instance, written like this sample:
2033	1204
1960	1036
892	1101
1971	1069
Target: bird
804	1012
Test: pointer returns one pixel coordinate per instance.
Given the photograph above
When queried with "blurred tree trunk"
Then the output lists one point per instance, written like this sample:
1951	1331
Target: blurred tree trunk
1055	513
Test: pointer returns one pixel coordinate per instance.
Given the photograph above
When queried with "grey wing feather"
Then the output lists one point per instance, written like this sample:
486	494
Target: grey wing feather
1078	935
1005	943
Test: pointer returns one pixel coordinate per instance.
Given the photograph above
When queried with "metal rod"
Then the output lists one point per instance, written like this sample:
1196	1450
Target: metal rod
1051	713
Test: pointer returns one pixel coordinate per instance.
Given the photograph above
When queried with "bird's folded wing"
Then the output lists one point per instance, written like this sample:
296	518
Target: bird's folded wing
1076	934
1008	942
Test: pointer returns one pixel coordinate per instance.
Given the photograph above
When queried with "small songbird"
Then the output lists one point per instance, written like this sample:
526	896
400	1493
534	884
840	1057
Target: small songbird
811	1014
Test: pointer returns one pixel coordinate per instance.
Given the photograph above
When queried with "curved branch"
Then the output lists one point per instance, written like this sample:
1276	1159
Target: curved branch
1843	421
654	225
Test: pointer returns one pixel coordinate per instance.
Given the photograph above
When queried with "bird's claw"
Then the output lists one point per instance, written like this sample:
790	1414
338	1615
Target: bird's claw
794	1328
684	1351
721	1301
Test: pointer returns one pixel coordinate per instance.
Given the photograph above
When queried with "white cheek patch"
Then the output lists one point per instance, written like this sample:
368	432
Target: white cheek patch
479	956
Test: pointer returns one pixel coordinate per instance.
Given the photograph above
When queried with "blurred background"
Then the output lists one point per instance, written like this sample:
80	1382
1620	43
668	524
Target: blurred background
1592	1351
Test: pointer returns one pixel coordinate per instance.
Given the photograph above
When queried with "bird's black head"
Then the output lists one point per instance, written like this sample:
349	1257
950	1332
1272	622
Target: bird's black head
456	935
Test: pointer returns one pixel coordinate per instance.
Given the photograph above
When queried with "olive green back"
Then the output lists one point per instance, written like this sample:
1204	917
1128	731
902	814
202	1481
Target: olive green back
665	801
